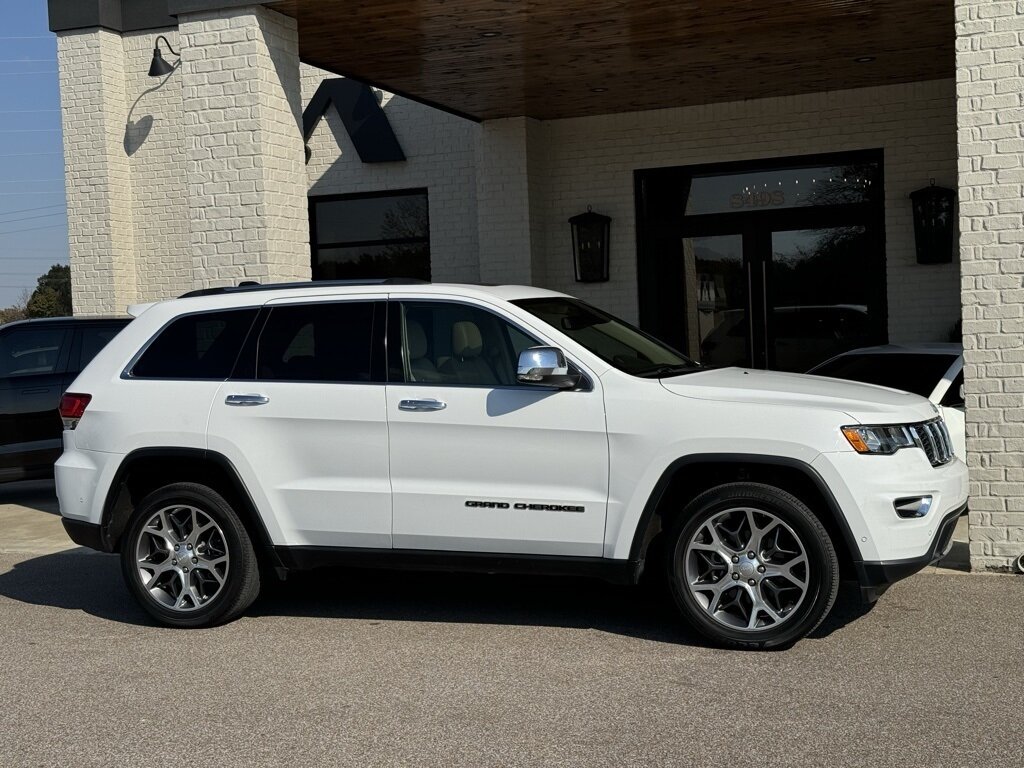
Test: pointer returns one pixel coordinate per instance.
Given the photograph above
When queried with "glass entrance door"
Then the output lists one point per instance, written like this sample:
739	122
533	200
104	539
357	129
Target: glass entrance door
818	296
777	264
717	300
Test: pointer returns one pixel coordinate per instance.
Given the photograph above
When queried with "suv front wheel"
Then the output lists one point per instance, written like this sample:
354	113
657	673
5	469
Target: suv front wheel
749	565
188	559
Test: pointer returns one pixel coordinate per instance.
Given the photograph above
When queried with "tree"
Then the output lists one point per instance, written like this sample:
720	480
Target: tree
17	311
52	296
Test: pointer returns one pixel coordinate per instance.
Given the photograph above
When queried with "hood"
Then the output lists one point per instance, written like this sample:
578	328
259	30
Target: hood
864	403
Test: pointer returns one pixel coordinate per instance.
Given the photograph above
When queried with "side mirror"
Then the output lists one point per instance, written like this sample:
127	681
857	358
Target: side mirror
546	367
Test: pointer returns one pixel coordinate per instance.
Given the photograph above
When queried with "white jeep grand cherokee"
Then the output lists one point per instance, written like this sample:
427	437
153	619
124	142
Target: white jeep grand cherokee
504	428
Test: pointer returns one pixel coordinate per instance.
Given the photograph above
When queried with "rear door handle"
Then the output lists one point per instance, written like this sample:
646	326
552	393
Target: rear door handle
36	391
421	405
246	400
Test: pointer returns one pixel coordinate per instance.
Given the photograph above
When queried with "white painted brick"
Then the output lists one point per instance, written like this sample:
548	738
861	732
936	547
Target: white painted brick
258	116
993	261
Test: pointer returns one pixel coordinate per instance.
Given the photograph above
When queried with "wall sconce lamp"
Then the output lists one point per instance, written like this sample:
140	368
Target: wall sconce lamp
934	223
590	233
159	67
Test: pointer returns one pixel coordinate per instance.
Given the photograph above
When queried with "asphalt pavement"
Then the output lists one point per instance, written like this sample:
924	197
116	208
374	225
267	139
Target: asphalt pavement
390	669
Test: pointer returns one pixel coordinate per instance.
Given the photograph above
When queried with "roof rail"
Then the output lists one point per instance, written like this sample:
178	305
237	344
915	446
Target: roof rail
251	285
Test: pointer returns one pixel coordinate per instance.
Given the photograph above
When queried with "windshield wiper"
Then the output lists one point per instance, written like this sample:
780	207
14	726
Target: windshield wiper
668	370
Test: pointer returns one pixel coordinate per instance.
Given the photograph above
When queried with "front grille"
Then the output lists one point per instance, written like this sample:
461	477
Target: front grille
933	438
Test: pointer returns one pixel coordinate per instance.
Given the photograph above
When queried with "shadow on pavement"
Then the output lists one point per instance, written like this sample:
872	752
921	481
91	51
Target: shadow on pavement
92	583
34	494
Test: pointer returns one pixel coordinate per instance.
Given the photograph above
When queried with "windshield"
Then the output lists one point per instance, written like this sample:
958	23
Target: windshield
915	373
618	343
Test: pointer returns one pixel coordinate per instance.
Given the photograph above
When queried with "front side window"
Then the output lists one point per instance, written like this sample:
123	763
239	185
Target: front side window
379	235
31	351
458	344
200	346
330	342
616	342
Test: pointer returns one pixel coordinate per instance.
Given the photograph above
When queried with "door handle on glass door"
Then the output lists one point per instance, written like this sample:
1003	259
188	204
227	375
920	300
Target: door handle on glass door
246	400
421	405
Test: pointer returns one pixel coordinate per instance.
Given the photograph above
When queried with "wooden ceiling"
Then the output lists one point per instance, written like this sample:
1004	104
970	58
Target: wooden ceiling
551	58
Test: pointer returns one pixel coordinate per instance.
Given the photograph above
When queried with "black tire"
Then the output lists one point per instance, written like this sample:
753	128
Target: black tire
241	582
822	569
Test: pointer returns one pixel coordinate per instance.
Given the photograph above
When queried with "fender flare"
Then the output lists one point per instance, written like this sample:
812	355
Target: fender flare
259	530
648	526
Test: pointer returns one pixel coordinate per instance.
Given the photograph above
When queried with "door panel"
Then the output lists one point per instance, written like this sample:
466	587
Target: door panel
308	424
320	454
500	468
32	362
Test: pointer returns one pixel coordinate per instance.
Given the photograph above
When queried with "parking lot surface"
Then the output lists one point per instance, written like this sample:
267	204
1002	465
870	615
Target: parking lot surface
379	668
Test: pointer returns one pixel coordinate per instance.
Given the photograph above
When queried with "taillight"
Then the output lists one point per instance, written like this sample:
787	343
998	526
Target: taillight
72	406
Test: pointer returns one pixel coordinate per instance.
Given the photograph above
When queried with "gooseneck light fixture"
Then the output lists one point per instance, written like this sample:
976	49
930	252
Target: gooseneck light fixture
159	67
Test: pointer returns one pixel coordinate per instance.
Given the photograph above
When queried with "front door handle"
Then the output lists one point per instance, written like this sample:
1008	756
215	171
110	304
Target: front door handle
246	400
421	405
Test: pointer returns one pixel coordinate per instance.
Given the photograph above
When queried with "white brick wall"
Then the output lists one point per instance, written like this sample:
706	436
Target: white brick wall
154	142
245	162
97	175
990	84
440	157
506	209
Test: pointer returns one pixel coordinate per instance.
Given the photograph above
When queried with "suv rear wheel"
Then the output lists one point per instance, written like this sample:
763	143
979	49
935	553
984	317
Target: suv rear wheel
188	559
749	565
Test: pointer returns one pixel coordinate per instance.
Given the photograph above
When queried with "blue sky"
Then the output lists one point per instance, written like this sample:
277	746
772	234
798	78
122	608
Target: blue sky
33	216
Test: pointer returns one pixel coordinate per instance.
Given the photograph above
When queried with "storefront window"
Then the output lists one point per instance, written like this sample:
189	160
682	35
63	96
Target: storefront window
377	235
781	188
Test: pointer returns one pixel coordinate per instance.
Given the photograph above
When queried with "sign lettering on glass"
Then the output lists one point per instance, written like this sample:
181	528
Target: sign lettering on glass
755	199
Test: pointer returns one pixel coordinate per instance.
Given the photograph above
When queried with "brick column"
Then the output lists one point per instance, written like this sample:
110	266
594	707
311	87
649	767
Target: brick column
97	175
508	200
245	159
990	130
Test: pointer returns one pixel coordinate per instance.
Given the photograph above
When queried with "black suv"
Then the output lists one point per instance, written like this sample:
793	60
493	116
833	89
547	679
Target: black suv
38	360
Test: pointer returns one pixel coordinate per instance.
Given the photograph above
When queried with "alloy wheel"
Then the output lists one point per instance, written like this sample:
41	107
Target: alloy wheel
182	558
747	569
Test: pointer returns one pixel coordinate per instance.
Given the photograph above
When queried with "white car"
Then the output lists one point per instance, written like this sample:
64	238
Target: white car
935	371
496	428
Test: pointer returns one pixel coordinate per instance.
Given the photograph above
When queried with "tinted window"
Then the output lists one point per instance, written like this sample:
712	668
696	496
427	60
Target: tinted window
376	235
781	188
200	346
317	342
93	339
459	344
28	351
919	374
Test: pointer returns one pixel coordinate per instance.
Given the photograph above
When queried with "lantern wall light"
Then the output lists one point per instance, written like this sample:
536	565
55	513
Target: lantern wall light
934	223
590	233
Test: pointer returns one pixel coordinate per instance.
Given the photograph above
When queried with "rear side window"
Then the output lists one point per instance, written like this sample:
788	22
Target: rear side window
200	346
95	338
330	342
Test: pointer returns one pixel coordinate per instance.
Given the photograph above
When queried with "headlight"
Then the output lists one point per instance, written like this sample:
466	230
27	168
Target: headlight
932	437
884	439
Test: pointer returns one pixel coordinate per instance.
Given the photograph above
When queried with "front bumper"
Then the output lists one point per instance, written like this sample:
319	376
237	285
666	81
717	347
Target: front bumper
877	576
